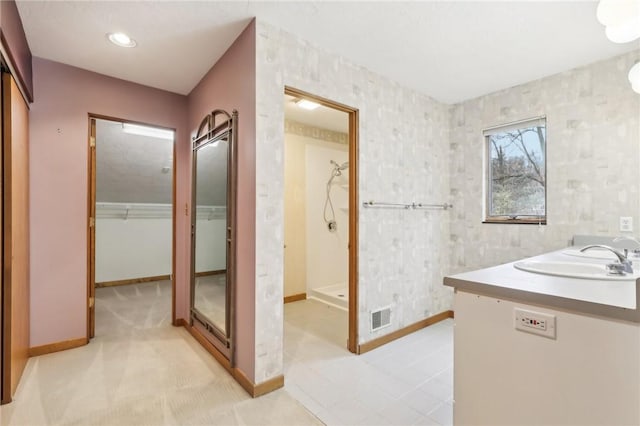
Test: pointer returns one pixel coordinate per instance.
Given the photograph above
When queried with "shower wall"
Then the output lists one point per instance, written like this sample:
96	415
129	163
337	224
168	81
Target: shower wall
327	252
314	257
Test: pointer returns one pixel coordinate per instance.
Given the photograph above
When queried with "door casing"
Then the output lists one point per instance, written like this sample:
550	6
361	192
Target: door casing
352	343
91	214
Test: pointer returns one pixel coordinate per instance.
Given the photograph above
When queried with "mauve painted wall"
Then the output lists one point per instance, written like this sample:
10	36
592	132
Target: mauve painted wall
64	96
229	85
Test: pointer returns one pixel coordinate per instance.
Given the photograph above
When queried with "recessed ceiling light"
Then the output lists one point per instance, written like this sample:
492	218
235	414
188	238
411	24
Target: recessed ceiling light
121	39
153	132
303	103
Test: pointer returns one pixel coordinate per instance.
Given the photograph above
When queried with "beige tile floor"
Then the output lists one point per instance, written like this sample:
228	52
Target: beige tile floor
139	370
406	382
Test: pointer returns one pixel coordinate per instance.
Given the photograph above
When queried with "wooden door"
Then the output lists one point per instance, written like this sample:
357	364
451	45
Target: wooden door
15	230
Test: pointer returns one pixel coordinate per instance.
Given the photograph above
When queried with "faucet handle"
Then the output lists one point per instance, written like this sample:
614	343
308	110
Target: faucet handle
616	269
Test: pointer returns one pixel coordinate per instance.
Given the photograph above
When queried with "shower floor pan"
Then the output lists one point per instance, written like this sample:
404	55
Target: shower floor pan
336	295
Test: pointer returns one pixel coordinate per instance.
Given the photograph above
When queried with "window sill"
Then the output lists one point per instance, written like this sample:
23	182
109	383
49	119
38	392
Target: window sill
507	221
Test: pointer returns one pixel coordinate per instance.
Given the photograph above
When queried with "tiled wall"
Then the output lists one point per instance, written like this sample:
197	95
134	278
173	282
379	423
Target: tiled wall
403	158
593	162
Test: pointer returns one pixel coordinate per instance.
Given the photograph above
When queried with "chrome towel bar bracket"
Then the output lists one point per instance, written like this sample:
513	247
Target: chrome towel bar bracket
405	206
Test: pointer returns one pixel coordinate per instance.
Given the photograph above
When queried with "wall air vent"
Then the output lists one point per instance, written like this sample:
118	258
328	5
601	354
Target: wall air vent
381	318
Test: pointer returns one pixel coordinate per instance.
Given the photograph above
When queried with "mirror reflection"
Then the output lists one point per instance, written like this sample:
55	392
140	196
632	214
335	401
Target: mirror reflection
210	294
213	230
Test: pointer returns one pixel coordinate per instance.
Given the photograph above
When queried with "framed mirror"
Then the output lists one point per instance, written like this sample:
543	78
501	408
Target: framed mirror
213	230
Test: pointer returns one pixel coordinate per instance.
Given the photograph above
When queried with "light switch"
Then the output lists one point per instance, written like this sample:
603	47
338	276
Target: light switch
626	224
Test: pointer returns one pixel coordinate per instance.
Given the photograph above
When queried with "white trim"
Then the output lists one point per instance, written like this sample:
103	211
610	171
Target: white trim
529	122
540	121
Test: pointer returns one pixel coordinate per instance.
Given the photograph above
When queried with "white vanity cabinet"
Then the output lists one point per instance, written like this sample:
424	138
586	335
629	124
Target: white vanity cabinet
543	350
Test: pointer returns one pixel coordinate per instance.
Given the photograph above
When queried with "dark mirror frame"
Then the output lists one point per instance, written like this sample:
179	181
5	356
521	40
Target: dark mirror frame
219	125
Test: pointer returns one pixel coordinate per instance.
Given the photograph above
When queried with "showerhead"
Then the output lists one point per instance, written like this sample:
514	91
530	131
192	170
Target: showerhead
339	167
330	220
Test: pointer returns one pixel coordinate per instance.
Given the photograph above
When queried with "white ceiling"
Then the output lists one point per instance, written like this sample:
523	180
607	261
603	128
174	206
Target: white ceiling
322	117
450	50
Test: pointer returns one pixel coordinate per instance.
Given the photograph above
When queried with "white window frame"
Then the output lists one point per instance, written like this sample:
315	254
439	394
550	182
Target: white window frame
512	219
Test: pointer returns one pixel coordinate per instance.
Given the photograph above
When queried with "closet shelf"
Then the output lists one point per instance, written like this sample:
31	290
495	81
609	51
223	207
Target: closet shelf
126	211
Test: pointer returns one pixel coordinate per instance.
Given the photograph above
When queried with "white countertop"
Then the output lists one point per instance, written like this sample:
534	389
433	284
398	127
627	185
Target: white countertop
602	297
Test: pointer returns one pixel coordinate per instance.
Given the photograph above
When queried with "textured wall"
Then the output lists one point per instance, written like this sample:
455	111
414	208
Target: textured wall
593	130
403	157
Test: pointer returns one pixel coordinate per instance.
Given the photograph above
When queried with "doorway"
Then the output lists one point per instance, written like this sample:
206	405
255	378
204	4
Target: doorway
131	226
321	208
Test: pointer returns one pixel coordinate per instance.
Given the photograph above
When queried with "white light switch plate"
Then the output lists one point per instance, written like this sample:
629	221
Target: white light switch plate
626	224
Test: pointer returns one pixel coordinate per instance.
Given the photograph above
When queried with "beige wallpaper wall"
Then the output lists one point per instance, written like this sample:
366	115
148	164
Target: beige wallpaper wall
415	149
403	157
593	162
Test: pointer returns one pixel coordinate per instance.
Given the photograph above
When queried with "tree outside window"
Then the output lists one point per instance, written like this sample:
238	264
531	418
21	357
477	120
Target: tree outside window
516	172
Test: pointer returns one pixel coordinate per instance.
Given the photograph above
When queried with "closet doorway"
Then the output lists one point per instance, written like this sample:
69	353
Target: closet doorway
131	226
321	216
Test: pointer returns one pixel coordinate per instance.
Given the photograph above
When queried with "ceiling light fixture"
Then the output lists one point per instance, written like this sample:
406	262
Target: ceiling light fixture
121	39
622	21
624	33
152	132
305	104
621	18
634	77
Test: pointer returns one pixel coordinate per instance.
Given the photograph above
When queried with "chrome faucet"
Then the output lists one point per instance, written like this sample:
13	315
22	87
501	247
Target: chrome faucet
614	268
631	240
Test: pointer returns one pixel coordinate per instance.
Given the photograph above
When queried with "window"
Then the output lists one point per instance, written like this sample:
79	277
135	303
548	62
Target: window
516	173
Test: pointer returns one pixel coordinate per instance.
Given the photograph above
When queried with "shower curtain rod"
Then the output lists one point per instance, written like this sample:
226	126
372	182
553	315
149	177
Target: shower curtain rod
412	206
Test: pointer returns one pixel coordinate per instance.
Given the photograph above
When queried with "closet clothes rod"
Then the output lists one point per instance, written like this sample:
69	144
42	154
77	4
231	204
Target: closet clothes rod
380	204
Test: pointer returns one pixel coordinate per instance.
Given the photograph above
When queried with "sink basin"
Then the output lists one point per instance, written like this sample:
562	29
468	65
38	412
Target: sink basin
594	253
590	271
